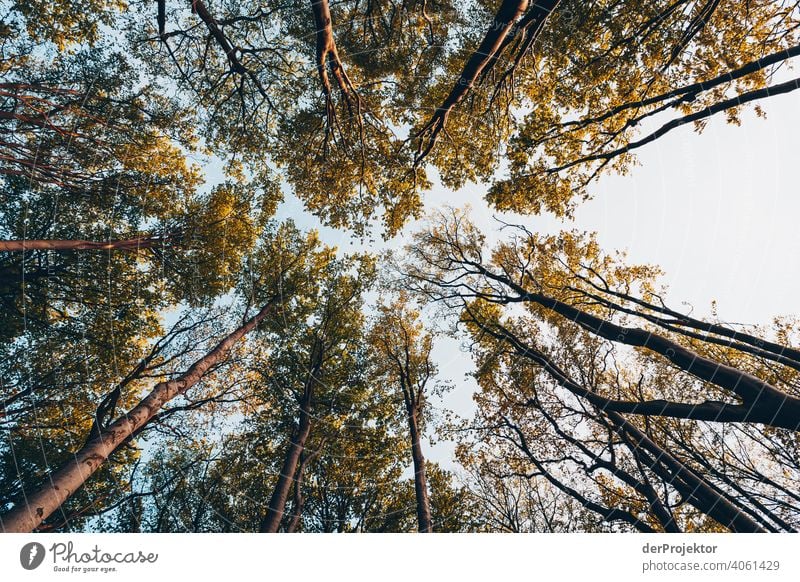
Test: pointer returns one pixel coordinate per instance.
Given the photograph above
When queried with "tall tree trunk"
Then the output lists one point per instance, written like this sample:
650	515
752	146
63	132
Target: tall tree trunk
277	502
132	244
299	498
62	483
299	501
420	477
199	8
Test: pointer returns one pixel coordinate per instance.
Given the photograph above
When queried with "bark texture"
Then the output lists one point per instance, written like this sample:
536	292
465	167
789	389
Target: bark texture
420	477
132	244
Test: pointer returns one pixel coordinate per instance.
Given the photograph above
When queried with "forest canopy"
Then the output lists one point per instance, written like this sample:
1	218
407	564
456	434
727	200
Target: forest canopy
181	353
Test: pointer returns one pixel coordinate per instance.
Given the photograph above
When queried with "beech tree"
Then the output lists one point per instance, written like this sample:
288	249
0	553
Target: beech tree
554	317
282	266
591	108
313	366
94	162
349	473
561	90
350	103
196	488
403	360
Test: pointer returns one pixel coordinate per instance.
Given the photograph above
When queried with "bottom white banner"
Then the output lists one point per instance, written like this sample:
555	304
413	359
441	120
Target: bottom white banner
121	557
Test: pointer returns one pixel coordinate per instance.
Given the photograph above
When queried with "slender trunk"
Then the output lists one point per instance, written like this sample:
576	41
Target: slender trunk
695	490
766	403
63	482
132	244
299	501
299	498
277	502
608	514
778	414
420	477
162	18
508	13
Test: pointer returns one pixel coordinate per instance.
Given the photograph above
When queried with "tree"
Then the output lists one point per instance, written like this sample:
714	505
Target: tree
608	72
56	402
58	23
85	139
550	314
270	79
348	473
144	148
351	483
196	487
40	504
403	360
557	89
311	361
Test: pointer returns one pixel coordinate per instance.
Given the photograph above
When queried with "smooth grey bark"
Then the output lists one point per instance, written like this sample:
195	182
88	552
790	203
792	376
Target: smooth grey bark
280	494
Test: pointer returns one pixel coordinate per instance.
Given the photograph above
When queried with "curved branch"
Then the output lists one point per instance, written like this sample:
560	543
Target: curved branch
481	61
709	111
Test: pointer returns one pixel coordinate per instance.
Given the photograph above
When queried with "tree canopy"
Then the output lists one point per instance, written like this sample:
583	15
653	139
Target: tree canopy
185	349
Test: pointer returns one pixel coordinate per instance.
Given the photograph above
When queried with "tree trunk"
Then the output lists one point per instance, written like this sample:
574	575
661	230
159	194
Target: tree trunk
142	242
420	478
62	483
327	53
277	502
299	498
201	10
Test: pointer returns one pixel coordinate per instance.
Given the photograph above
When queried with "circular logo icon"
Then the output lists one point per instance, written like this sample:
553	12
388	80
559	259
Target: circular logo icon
31	555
